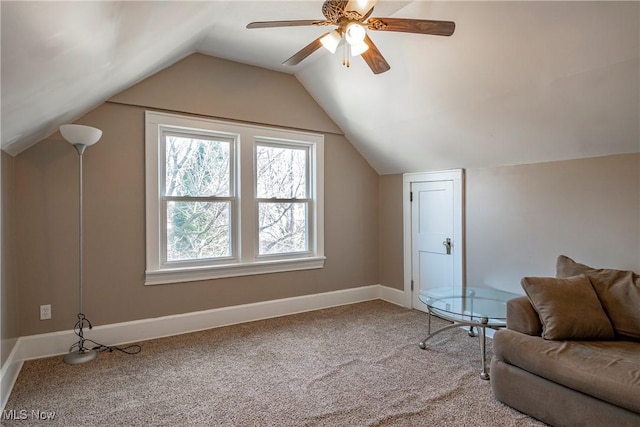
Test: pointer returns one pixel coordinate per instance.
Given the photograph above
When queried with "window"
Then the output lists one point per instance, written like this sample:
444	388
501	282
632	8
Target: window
225	199
282	196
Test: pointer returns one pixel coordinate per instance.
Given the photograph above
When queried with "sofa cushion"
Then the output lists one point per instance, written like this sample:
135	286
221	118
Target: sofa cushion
607	370
568	308
617	290
522	317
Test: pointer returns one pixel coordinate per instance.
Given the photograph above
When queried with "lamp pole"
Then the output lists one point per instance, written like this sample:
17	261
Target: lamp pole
80	149
81	137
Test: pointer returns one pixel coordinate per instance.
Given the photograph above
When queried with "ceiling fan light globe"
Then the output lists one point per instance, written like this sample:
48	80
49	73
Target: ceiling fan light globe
354	33
331	41
359	48
360	6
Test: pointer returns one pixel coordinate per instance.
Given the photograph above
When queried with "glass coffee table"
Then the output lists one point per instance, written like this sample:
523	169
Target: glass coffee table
477	308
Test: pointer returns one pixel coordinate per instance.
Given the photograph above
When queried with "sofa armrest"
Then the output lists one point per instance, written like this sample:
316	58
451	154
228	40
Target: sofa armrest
522	317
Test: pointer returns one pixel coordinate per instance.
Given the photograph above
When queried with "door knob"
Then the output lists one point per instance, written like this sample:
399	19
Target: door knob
447	245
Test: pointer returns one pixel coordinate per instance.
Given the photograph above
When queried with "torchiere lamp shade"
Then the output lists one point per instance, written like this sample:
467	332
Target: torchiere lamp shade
80	134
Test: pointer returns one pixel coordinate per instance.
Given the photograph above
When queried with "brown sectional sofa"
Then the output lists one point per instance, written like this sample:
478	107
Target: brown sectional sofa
563	361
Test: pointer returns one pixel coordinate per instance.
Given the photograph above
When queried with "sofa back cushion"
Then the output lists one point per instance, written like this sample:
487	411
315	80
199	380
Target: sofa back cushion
568	308
617	290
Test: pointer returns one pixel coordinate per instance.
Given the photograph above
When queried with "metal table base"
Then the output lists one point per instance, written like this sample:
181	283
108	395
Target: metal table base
481	324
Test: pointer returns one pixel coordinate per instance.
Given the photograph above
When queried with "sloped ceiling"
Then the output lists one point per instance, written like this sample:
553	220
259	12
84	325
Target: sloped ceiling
518	82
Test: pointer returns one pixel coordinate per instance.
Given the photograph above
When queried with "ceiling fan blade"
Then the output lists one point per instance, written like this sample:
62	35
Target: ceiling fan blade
418	26
304	52
298	23
374	58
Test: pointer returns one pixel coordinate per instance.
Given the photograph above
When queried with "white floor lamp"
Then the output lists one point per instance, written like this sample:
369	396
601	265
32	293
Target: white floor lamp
80	137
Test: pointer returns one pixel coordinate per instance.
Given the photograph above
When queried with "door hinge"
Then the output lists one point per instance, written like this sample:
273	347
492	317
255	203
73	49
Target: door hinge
411	196
412	285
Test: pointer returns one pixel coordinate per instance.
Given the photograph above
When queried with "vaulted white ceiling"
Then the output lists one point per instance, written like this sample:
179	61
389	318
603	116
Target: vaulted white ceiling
518	82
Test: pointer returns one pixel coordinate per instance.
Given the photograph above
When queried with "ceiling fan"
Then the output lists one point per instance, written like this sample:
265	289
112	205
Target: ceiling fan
352	17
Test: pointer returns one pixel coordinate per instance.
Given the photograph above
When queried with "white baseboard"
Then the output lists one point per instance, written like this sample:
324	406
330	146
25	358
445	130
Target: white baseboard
392	295
9	375
58	343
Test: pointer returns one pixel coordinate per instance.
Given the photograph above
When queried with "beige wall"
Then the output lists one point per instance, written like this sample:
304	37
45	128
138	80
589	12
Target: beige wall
9	287
46	200
520	218
229	90
390	231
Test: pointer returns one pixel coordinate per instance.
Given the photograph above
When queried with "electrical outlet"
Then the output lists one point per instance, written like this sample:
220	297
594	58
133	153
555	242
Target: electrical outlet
45	312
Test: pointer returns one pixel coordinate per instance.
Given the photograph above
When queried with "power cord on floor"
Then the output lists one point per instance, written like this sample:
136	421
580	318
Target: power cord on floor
77	329
130	349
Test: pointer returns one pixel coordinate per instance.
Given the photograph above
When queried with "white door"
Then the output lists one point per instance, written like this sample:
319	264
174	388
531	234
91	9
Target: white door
436	242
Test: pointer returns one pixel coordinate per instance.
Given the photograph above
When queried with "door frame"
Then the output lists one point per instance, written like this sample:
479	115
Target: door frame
457	176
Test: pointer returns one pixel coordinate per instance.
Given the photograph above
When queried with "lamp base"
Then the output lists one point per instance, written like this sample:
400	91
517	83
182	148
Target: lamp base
77	357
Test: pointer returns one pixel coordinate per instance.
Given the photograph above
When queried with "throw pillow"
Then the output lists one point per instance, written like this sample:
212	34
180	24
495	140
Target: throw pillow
617	290
568	308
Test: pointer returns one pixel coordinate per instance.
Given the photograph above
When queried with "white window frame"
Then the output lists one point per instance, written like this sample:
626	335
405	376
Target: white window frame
164	199
308	201
245	259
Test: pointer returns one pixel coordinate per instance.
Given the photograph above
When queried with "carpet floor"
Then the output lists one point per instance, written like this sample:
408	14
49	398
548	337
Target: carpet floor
354	365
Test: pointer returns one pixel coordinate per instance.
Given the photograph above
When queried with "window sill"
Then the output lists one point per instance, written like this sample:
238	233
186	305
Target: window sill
178	275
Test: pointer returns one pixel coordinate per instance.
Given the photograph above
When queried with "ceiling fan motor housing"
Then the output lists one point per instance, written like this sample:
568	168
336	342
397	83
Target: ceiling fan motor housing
333	10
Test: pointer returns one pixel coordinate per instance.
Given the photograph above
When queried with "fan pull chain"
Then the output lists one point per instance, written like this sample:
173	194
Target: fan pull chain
344	54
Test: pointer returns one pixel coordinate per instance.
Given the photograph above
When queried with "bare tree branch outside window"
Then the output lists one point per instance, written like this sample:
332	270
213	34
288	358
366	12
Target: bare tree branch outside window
197	192
283	205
